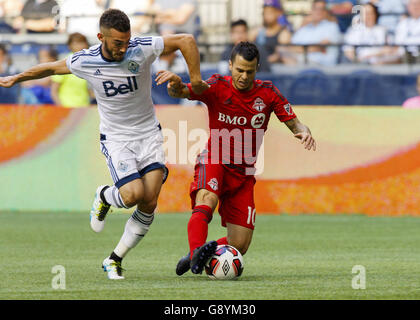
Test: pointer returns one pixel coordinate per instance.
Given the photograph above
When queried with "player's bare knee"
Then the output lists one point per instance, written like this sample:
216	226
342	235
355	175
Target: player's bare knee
205	197
243	249
148	206
242	246
131	197
149	202
129	200
240	241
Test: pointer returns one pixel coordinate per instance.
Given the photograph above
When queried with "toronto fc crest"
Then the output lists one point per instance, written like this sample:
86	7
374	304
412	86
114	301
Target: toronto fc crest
259	104
213	184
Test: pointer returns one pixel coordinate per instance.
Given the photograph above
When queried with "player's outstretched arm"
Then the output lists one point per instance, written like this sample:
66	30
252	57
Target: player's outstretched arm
188	47
302	132
176	89
37	72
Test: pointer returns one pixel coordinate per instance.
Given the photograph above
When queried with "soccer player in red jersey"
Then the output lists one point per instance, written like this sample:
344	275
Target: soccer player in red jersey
239	108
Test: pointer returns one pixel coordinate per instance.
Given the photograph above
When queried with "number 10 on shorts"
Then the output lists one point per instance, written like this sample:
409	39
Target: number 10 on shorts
251	216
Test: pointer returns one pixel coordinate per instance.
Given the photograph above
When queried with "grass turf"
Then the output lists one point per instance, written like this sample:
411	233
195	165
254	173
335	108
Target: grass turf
291	257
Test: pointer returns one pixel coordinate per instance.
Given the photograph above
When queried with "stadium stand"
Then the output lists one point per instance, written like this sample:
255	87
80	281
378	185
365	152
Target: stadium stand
352	82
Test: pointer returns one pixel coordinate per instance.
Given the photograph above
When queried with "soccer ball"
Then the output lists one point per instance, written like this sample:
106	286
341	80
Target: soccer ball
226	263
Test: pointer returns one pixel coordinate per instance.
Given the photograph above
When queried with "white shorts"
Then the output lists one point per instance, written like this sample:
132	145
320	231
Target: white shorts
129	160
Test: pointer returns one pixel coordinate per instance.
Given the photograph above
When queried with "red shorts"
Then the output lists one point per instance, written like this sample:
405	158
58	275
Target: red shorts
234	189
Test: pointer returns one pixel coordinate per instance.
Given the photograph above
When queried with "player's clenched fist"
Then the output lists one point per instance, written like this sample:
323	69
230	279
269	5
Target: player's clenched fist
7	82
175	84
199	87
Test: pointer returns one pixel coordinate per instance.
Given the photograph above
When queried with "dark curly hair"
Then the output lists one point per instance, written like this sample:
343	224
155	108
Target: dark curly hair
247	50
116	19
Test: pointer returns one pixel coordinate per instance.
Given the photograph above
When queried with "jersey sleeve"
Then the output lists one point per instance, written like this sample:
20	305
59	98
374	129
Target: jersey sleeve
209	93
74	64
152	47
281	106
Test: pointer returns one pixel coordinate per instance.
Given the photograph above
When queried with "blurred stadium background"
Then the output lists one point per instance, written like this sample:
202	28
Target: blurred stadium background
349	88
367	140
382	57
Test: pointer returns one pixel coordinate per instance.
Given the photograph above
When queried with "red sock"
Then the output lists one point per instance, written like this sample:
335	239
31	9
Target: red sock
198	226
222	241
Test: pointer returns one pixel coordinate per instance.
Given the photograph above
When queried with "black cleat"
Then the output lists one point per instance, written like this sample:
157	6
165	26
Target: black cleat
201	255
183	265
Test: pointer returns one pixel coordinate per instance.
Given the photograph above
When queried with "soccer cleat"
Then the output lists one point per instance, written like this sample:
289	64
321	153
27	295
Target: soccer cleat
201	255
113	269
183	265
98	211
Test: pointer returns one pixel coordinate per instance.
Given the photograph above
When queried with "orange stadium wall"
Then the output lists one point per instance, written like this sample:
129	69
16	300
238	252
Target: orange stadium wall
367	160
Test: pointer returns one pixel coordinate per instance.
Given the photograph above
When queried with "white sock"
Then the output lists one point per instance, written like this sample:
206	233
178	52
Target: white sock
135	230
121	249
113	197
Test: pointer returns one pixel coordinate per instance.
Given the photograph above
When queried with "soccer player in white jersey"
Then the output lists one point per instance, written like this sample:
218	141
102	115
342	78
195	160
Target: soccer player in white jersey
119	71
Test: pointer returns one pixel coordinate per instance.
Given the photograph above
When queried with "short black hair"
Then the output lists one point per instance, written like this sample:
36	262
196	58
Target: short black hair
52	52
3	48
247	50
116	19
239	22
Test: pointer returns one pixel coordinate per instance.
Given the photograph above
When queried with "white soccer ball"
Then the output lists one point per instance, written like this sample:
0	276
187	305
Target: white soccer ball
226	263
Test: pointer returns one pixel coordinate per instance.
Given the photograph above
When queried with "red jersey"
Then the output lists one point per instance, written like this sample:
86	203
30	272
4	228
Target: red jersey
238	120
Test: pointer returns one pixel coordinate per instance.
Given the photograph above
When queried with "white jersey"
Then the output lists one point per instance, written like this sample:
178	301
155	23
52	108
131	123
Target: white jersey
122	89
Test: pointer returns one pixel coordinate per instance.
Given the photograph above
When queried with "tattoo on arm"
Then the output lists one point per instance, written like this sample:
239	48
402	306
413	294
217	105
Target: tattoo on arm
180	91
296	126
173	92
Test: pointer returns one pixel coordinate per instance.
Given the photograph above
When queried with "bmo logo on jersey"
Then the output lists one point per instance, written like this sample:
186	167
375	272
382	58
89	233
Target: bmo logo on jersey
111	90
257	120
232	120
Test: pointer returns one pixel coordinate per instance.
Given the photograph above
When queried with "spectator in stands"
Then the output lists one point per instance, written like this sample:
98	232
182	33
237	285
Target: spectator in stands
342	9
172	62
282	18
176	16
69	90
389	11
139	23
9	9
367	32
272	33
39	91
317	34
239	32
38	16
72	22
4	59
6	69
408	29
413	103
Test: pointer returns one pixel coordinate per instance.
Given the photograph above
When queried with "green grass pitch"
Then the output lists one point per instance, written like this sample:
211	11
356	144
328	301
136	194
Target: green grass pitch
291	257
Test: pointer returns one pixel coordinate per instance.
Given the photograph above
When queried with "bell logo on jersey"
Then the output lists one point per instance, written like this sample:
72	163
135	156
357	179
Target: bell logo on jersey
258	120
111	90
259	104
